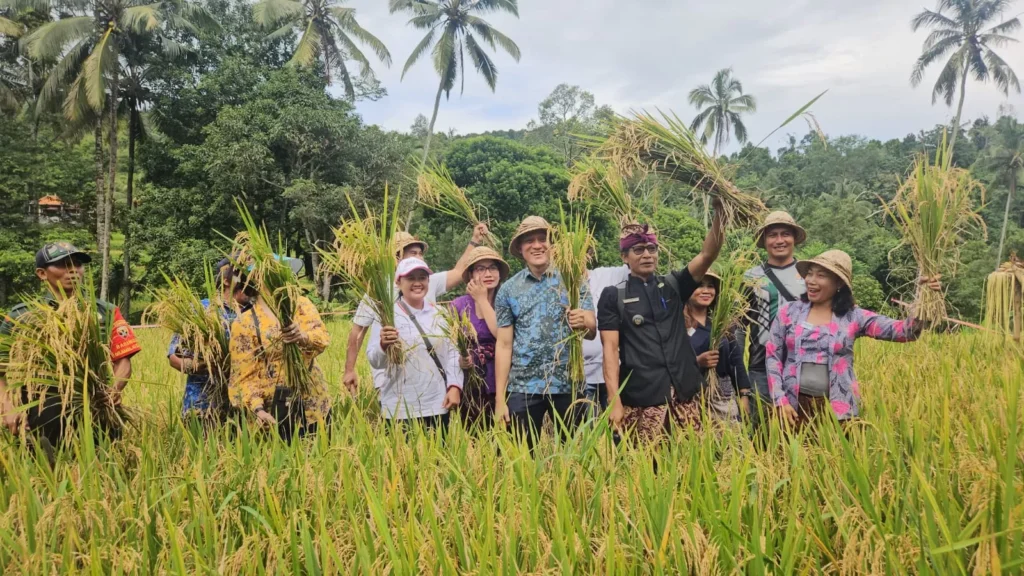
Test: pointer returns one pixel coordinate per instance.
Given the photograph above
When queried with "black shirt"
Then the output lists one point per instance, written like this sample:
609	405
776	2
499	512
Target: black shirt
654	350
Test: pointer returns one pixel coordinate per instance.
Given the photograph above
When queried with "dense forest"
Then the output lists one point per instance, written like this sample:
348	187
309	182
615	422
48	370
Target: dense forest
226	116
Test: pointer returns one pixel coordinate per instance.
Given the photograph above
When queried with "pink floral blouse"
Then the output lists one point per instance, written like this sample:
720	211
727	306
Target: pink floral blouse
788	349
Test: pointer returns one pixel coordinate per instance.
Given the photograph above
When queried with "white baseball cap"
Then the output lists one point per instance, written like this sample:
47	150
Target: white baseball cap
410	265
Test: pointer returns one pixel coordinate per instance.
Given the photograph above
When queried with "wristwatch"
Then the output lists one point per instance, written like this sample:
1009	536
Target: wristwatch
474	244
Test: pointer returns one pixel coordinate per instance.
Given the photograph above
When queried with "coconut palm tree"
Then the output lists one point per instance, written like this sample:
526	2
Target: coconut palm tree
11	79
1005	156
329	32
453	27
723	101
88	47
967	37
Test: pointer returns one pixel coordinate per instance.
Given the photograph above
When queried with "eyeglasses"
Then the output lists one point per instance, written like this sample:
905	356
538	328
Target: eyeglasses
639	250
491	268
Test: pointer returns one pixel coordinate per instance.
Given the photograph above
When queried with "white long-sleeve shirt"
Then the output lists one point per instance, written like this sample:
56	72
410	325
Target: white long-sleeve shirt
415	389
593	353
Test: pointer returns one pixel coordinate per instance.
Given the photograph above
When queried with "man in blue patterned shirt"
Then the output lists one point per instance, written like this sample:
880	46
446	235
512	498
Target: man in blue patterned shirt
534	325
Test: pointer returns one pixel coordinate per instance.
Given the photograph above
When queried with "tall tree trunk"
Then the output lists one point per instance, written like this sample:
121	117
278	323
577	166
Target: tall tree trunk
101	183
108	211
1006	214
959	108
433	118
126	277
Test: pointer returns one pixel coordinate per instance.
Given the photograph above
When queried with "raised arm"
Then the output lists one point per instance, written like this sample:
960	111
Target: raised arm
454	276
881	327
701	263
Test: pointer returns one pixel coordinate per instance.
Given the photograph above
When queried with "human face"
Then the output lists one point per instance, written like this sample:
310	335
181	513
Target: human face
779	241
414	286
642	259
536	249
413	251
822	285
63	275
487	273
704	296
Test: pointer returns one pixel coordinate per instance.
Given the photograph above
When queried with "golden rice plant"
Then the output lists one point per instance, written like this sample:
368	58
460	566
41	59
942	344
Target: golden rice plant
644	144
934	210
278	288
363	255
731	302
201	328
600	184
63	350
570	255
1004	298
436	190
461	333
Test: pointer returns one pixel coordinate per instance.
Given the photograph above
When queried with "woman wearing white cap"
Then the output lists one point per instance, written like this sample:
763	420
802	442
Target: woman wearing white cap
429	382
810	353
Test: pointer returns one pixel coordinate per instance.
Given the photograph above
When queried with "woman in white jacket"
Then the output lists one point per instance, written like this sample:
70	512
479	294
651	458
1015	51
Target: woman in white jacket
429	382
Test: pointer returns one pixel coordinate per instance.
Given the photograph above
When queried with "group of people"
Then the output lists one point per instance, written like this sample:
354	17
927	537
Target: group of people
647	341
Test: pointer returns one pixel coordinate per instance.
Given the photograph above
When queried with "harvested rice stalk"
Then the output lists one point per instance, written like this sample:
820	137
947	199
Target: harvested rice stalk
363	255
278	288
570	255
437	190
1004	298
731	304
601	185
64	351
462	335
642	145
201	329
933	209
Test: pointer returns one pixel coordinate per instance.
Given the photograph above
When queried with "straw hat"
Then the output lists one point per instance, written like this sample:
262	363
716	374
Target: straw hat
835	261
529	224
403	240
780	218
481	253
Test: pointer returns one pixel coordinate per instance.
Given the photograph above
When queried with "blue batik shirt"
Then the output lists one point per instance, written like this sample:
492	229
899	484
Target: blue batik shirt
195	384
536	308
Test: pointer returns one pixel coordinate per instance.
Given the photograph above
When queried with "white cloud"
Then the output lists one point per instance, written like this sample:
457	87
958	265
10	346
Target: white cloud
647	53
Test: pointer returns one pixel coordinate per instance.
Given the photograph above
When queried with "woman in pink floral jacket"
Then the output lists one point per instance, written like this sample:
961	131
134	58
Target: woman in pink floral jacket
810	354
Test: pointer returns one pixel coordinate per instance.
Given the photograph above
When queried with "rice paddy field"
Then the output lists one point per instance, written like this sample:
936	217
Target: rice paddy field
928	482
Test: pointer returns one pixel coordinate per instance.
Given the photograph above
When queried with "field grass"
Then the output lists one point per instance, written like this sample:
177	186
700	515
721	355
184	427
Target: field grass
928	482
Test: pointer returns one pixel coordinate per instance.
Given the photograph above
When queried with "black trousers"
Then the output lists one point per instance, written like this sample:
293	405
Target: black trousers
527	413
291	416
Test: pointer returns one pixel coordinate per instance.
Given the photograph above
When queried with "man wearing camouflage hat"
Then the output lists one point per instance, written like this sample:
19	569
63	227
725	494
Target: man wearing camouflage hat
61	267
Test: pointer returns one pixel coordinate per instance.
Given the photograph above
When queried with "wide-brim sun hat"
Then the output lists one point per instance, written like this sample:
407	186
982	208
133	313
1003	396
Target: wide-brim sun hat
528	225
403	240
780	218
835	261
481	253
410	265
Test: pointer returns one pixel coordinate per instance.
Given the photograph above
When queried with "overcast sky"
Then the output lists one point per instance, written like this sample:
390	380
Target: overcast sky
650	53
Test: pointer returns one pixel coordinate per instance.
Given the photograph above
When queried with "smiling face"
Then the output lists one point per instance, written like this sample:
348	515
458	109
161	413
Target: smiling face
822	285
704	296
414	286
63	275
780	241
487	273
536	249
642	259
413	251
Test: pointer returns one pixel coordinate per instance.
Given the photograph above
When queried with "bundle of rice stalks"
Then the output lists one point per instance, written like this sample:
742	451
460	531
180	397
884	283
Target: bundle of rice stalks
570	255
462	335
278	288
363	255
933	209
600	184
437	190
642	144
63	351
731	303
201	329
1004	298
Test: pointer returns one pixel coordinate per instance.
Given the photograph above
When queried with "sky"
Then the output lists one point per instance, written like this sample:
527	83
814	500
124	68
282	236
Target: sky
642	54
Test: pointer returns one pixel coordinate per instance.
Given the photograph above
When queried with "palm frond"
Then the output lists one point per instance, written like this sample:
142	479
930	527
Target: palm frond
483	63
269	13
1002	73
930	19
100	62
419	50
49	41
10	28
308	47
140	19
347	22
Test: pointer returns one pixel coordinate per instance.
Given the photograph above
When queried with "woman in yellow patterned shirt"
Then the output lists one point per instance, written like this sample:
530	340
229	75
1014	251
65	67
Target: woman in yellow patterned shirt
257	367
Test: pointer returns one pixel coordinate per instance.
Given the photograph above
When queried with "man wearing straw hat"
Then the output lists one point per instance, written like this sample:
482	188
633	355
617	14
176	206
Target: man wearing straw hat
775	282
532	358
650	368
61	267
406	246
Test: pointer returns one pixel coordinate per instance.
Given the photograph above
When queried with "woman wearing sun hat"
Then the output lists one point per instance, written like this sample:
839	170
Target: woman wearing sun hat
429	382
485	271
810	353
